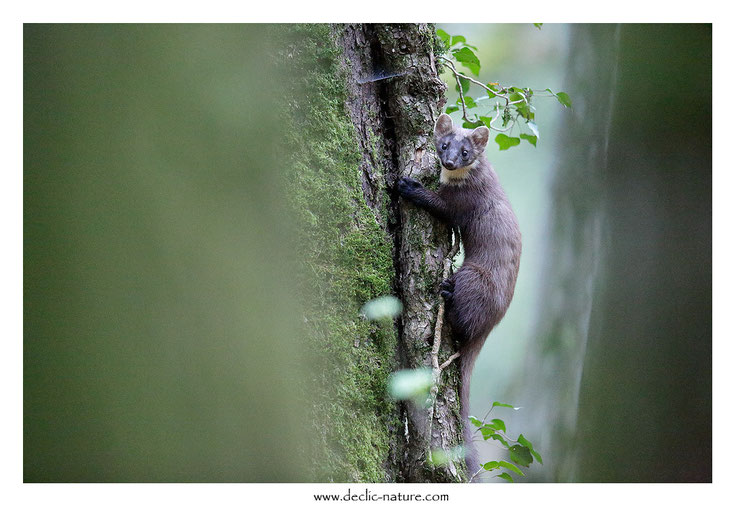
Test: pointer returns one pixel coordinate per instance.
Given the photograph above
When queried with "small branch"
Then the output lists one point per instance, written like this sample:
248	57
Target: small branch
482	85
462	97
441	311
450	65
437	341
481	469
449	360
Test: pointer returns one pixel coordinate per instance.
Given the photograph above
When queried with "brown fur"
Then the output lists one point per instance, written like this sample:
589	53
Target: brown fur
479	293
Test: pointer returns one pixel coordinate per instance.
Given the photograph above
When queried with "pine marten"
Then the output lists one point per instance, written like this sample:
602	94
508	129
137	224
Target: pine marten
470	197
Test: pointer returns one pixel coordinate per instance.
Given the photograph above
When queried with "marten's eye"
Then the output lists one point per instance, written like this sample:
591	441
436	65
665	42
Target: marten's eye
465	153
444	146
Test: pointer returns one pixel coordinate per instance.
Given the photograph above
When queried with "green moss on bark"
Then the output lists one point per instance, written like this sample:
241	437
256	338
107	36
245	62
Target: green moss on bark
345	255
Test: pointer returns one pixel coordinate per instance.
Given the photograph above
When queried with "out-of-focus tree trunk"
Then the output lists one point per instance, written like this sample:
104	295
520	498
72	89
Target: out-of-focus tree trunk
645	402
625	335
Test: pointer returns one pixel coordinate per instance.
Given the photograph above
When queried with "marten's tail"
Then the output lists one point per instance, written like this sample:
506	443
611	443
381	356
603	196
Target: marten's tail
468	354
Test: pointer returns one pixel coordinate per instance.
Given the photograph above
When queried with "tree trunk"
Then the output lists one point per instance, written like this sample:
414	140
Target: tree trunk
377	87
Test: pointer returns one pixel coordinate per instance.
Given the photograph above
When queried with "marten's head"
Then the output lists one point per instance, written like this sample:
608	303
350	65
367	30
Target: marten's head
458	148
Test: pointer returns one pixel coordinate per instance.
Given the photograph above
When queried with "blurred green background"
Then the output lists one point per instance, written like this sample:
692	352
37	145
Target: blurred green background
158	322
151	209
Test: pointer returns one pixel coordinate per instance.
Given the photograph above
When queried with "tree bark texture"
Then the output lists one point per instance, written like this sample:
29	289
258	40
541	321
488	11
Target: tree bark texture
394	95
378	88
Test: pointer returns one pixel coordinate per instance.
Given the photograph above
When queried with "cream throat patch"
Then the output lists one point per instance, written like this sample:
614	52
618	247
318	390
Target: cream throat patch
457	176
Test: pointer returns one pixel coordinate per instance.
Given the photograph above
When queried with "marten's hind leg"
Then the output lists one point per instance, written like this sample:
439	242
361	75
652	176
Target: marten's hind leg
447	288
473	310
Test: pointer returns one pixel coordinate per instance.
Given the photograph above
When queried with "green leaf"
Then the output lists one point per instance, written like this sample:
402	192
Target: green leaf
531	139
499	404
469	102
443	35
496	436
456	39
511	467
525	110
537	456
472	124
526	443
466	57
538	25
498	424
487	432
492	465
516	95
564	99
520	455
505	476
486	120
452	109
505	142
465	84
475	421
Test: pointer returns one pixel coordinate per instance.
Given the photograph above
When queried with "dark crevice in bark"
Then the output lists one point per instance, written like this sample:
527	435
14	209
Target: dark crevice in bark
393	223
388	128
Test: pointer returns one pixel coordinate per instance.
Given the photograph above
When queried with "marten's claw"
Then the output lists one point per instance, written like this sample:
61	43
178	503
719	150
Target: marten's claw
408	186
447	285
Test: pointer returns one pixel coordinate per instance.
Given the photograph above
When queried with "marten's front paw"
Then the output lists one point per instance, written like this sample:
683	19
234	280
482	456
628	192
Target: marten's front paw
408	187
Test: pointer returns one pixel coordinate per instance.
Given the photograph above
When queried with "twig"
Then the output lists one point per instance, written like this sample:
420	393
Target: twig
449	360
482	85
462	97
436	368
441	312
448	63
481	469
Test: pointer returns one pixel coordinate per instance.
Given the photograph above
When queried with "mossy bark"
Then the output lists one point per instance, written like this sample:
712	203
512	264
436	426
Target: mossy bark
363	101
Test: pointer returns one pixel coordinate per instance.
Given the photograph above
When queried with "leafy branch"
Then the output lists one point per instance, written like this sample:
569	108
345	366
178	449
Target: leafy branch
521	450
510	104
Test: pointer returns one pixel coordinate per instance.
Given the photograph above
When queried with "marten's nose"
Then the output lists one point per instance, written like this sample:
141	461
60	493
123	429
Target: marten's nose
449	165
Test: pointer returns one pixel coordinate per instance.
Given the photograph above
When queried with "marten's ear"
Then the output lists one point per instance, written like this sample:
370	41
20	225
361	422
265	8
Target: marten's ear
479	137
443	125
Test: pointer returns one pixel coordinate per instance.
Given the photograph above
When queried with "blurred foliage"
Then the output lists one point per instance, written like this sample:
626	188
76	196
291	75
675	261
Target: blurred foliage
412	384
385	307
